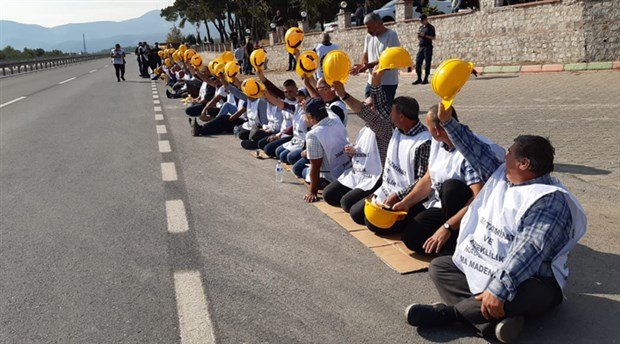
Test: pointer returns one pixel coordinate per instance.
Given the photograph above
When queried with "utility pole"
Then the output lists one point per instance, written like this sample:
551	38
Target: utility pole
84	43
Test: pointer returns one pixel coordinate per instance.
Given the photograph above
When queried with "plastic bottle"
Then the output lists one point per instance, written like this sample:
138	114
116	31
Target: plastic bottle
236	131
279	172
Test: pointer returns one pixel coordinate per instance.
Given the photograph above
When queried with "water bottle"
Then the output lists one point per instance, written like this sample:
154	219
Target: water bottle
279	172
236	131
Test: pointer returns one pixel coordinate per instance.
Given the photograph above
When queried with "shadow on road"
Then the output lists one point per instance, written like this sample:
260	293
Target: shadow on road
579	169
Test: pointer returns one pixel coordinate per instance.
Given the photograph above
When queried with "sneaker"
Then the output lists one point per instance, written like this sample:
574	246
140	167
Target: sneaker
425	82
194	127
508	330
417	82
123	78
119	80
169	95
437	314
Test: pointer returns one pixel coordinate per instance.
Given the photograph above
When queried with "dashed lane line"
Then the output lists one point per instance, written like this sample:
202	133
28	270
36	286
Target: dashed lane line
161	129
194	319
70	79
12	101
157	109
155	96
164	146
177	217
156	101
168	172
159	117
92	71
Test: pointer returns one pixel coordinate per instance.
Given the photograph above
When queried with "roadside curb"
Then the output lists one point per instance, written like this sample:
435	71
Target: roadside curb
546	68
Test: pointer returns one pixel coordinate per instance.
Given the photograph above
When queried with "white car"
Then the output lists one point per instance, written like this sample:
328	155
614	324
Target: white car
388	11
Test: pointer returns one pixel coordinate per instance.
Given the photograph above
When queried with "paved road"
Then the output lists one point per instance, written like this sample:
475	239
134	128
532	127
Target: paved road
95	246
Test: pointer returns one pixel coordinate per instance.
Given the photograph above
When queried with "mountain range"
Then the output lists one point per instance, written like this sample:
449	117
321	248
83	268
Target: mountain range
100	35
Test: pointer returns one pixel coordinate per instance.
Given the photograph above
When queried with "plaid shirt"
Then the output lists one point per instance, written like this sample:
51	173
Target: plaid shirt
543	230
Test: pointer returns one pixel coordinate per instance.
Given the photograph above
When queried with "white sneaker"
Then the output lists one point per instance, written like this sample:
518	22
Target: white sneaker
509	329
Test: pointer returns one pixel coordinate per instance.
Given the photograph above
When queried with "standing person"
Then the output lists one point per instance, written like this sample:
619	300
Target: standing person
426	35
143	53
118	60
234	38
377	40
249	48
291	62
239	55
359	14
137	52
322	49
278	19
156	55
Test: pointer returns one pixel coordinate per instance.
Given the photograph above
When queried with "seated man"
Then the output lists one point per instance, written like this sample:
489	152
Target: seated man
206	99
450	183
290	152
407	154
227	118
256	115
512	252
335	106
325	147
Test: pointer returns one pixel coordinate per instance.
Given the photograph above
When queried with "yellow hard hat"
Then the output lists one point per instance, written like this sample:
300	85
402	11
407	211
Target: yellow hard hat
394	58
449	78
213	64
196	60
160	53
293	38
381	217
182	48
176	56
307	63
253	88
336	65
227	56
258	58
231	69
189	53
168	62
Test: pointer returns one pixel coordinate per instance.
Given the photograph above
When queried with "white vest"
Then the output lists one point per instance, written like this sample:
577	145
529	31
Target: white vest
299	130
398	170
251	114
444	165
332	114
274	118
287	118
333	139
491	222
366	169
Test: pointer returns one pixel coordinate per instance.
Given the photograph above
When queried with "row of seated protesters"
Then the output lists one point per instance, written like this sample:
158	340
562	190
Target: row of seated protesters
463	202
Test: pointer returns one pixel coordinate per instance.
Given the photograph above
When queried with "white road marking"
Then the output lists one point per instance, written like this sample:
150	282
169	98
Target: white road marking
62	82
154	91
155	96
157	109
92	71
194	319
177	219
106	66
161	129
156	101
168	172
12	101
159	117
164	146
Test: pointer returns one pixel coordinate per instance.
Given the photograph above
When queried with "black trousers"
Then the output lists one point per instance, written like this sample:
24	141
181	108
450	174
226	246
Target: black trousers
120	70
338	195
534	296
454	194
291	62
357	214
251	141
218	125
424	54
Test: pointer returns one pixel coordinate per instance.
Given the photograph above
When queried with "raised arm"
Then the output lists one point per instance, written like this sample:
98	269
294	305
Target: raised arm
275	90
378	96
310	83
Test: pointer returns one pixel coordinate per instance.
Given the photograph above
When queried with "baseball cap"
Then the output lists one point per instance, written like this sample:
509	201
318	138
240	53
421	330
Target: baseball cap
316	106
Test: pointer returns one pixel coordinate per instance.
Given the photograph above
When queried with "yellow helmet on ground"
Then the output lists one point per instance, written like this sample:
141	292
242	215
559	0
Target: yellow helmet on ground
196	61
189	53
307	63
258	58
449	78
394	58
336	65
168	62
293	38
381	217
231	69
253	88
227	56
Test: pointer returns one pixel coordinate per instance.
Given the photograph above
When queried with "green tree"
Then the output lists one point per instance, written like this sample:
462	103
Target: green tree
175	35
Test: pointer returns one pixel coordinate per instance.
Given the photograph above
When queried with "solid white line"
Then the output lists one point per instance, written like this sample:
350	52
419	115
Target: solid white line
161	129
164	146
194	319
156	101
12	101
159	117
168	172
157	109
177	219
62	82
92	71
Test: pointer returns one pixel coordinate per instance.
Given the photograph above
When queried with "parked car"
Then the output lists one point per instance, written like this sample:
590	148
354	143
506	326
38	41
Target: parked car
388	11
330	27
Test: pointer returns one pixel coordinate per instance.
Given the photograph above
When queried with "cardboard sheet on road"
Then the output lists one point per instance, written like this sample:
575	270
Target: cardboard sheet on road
389	248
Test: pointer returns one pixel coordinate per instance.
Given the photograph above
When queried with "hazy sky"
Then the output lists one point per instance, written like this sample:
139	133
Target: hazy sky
51	13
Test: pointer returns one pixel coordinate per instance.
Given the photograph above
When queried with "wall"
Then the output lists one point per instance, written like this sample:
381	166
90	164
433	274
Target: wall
551	31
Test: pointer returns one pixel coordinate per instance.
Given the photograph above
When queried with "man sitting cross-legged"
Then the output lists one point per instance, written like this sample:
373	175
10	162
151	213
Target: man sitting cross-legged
512	251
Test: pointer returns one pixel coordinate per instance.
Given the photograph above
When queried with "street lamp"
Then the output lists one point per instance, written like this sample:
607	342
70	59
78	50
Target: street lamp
343	5
272	25
304	14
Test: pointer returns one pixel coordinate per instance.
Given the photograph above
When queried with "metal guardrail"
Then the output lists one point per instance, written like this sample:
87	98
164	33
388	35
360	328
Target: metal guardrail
16	67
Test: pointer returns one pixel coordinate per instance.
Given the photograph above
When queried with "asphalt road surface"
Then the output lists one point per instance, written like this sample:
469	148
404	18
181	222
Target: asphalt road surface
117	226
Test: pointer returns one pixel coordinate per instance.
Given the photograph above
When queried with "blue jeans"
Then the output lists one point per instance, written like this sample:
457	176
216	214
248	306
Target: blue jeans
300	167
389	90
227	109
270	147
287	156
